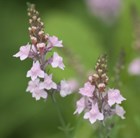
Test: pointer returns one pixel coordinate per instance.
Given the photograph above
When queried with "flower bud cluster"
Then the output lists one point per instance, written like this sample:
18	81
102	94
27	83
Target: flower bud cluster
100	79
98	102
41	82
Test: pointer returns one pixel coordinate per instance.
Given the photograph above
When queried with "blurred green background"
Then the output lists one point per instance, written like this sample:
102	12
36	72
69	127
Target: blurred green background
87	38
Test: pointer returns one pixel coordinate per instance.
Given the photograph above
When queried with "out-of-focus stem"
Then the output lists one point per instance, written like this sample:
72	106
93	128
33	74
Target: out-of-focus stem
62	121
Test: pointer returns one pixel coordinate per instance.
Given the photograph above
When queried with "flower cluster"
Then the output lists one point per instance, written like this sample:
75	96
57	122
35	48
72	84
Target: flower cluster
97	101
107	10
41	44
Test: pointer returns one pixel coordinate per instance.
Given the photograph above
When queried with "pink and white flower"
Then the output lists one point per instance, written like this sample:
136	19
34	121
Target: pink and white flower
80	105
33	85
114	96
53	41
39	93
35	71
34	88
23	52
73	84
134	67
94	114
65	88
48	83
120	111
57	61
87	90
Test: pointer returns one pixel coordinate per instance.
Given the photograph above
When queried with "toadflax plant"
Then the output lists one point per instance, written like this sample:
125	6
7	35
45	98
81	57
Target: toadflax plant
41	82
98	102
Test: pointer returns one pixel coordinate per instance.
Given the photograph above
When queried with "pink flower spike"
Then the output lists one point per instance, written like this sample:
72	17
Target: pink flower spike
23	52
55	42
114	96
66	88
87	90
35	71
120	111
48	83
94	114
80	105
57	61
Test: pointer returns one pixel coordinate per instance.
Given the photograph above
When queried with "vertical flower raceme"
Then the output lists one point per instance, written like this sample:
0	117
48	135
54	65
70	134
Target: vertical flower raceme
97	100
107	10
41	81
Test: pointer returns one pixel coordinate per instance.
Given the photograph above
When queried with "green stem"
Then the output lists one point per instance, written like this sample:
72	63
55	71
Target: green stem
103	130
62	121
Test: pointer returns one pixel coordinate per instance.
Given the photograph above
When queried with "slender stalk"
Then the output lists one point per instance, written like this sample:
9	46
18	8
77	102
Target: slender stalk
104	129
62	121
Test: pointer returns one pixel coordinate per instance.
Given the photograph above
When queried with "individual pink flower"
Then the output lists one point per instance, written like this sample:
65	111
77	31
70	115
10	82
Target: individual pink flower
87	90
48	83
23	52
39	93
114	96
53	40
73	84
120	111
80	105
35	71
134	67
65	88
34	88
57	61
94	114
33	49
33	85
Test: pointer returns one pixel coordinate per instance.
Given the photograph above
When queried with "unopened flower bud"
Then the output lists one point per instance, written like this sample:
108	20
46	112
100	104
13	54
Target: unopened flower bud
34	17
37	13
29	29
90	78
42	23
29	14
40	33
33	28
40	45
46	37
100	71
97	64
104	75
33	39
38	19
96	76
30	21
101	87
106	79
